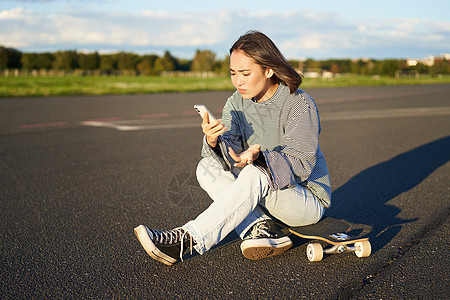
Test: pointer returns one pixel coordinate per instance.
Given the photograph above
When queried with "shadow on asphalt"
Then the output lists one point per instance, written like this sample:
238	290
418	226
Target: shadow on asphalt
364	199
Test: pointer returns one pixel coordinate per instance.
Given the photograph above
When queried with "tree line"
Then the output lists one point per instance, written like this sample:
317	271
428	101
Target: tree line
203	61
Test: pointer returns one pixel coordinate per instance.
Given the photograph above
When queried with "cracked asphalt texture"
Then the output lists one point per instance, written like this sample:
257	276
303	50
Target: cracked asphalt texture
71	195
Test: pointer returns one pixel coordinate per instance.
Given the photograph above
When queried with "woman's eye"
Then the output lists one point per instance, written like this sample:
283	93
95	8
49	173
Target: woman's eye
246	74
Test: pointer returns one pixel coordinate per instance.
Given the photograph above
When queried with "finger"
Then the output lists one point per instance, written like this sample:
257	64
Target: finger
233	155
255	147
215	123
243	160
205	120
214	131
241	164
221	130
206	124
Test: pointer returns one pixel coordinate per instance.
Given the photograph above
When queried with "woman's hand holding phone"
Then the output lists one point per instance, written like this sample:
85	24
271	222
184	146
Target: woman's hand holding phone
212	129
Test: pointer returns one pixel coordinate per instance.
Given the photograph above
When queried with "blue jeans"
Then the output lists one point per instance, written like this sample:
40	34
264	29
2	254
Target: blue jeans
237	197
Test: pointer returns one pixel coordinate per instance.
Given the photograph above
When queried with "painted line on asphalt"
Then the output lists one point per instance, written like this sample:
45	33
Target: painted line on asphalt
335	116
189	113
43	125
372	97
387	113
106	119
150	116
138	127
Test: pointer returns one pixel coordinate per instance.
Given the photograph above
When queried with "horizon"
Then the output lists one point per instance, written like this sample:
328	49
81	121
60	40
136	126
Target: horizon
442	55
320	31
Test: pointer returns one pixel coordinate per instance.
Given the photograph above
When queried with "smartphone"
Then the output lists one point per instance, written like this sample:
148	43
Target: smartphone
201	109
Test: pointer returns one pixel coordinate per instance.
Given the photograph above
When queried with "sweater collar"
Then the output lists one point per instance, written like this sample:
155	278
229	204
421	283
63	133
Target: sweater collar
280	90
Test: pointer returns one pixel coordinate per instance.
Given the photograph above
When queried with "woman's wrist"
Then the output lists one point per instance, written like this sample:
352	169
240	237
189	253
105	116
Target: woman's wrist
212	144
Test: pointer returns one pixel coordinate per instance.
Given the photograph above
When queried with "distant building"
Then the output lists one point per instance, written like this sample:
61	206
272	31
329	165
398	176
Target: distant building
429	61
316	73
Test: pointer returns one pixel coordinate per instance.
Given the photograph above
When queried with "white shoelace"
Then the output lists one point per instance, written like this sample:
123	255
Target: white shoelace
260	229
176	235
182	242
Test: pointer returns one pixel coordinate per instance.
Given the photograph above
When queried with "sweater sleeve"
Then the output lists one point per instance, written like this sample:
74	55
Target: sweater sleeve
297	157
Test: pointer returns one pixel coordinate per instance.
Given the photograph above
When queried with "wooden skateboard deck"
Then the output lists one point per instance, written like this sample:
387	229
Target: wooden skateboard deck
334	232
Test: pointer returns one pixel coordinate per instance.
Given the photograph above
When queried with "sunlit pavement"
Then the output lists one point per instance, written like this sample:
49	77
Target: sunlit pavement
77	174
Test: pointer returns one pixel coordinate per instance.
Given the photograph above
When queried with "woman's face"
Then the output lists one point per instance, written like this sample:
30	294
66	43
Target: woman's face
249	78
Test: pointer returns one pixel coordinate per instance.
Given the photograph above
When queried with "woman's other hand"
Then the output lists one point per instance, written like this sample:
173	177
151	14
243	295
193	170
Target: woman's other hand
247	157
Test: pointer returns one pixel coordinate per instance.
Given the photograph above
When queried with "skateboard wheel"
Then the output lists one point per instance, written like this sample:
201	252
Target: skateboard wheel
314	252
363	249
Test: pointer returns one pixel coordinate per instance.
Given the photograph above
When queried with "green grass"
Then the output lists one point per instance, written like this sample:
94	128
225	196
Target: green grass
78	85
356	80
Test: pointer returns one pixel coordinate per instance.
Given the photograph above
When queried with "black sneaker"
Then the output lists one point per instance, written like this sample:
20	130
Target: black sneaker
165	246
266	239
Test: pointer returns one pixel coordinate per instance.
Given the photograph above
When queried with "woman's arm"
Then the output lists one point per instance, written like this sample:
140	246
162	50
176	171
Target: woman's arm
297	158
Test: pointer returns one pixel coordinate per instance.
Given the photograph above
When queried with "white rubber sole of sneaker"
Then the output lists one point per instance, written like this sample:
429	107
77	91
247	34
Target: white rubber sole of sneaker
150	248
263	248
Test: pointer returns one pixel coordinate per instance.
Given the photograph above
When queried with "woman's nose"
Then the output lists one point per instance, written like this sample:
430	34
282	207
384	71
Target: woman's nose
239	80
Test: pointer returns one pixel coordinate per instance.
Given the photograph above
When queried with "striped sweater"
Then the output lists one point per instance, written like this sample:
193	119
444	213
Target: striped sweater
287	126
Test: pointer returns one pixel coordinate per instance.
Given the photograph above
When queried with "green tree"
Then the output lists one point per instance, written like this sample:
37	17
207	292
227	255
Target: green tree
204	61
421	68
37	61
360	67
108	62
9	58
65	60
45	60
295	63
184	64
165	63
127	61
311	64
29	61
389	66
224	67
90	61
440	67
146	64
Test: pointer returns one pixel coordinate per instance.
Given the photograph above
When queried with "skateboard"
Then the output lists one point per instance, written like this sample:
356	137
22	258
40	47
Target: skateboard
335	233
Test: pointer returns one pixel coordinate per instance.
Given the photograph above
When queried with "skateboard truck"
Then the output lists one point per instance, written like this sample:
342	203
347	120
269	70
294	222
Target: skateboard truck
315	251
333	232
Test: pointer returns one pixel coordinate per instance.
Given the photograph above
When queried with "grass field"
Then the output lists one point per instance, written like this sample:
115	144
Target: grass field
78	85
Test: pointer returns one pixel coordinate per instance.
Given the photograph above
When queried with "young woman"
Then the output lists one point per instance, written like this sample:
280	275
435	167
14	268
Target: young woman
261	162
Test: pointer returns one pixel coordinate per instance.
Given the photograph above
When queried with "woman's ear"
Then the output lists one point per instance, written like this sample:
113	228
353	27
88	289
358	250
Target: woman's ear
269	72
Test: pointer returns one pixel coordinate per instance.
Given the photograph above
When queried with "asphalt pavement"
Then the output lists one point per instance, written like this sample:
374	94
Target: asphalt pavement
77	174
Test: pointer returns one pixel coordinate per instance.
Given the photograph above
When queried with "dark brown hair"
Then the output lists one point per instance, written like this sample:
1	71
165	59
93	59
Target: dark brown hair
261	48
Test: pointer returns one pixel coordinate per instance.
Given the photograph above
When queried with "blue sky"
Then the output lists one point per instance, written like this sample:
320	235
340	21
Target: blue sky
302	29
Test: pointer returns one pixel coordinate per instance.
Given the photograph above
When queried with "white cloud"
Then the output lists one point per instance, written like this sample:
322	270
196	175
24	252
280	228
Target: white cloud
17	13
298	34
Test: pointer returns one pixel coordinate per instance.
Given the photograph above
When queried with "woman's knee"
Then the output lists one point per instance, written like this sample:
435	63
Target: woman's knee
203	168
295	207
250	171
208	170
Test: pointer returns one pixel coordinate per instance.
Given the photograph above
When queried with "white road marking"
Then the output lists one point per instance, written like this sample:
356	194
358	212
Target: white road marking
132	125
123	127
386	113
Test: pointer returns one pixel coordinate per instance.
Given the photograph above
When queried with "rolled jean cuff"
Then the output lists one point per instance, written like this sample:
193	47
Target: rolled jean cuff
254	217
200	246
